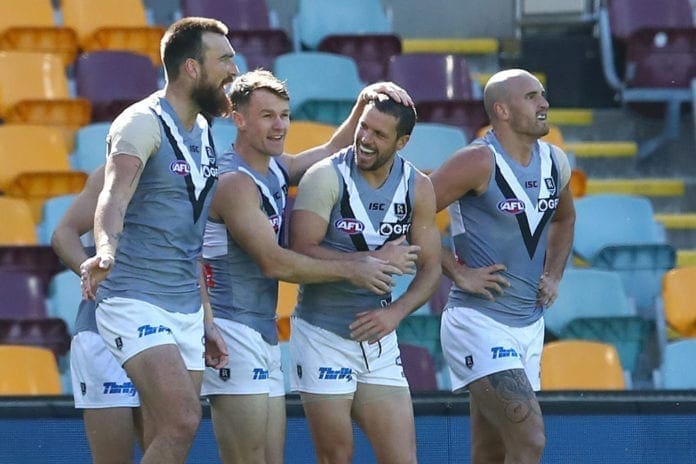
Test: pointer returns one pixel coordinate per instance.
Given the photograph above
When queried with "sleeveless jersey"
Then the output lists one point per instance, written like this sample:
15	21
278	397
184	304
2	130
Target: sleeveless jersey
156	258
508	224
238	289
364	218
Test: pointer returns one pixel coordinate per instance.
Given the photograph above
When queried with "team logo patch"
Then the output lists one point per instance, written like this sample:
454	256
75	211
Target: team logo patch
511	206
211	154
119	343
550	184
275	221
299	371
180	167
349	225
224	373
400	210
83	388
469	361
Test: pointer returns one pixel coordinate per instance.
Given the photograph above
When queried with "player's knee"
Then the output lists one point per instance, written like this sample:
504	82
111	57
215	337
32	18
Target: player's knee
184	424
530	449
341	454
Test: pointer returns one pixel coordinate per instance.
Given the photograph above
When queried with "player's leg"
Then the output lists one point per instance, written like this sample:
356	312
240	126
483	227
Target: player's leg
239	422
329	419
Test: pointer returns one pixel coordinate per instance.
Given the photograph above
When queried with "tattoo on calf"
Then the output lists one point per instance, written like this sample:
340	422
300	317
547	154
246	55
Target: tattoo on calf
512	388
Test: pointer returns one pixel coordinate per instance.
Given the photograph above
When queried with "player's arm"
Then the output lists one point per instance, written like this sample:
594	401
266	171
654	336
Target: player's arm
77	220
236	202
216	355
560	237
317	194
297	165
375	324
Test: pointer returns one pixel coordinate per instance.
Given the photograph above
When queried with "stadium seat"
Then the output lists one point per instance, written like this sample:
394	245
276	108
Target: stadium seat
619	233
371	52
99	79
250	30
431	144
34	90
23	296
592	305
113	25
657	40
676	371
53	211
303	135
328	100
26	370
678	288
19	227
441	86
419	368
36	178
581	365
316	19
49	332
64	297
32	27
90	147
39	260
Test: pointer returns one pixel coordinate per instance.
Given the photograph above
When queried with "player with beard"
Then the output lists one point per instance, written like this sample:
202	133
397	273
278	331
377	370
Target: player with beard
160	177
512	229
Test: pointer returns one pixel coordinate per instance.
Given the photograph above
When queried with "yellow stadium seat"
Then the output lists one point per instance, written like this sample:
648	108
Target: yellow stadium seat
32	27
303	135
19	227
678	298
28	370
36	165
581	365
578	182
113	25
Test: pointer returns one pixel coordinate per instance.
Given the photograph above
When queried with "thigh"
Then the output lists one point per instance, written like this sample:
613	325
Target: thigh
275	430
506	401
385	414
111	433
240	423
329	418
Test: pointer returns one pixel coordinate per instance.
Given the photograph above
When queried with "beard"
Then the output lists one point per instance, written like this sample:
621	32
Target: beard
211	100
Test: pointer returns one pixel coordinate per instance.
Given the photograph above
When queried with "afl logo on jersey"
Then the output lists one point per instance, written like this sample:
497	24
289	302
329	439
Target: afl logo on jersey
511	206
349	225
180	167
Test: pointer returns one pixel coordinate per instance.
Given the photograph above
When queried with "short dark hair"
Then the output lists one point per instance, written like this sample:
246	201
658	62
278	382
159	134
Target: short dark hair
405	115
245	85
183	40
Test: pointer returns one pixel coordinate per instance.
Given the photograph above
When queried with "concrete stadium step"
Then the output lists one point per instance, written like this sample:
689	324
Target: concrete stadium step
680	229
463	46
604	149
686	257
650	187
571	117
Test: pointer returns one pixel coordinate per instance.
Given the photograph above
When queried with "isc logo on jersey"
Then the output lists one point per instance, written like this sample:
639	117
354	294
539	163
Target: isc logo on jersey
180	167
349	225
511	206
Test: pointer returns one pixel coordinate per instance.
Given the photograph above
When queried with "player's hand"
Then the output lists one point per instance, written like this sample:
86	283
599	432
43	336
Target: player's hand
216	355
402	256
380	90
373	274
92	271
370	326
484	281
548	290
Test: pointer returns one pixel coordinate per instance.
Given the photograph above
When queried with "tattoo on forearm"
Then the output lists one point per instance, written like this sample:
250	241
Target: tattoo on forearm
513	390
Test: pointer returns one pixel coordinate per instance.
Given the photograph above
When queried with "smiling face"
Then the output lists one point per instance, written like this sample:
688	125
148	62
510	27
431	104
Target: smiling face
263	122
377	140
217	70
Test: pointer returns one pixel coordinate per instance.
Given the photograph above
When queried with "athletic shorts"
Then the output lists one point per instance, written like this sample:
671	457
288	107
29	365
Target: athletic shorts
253	367
474	346
98	380
130	326
326	363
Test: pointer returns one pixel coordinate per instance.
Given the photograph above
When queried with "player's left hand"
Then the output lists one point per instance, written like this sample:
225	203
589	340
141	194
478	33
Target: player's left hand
370	326
548	290
215	347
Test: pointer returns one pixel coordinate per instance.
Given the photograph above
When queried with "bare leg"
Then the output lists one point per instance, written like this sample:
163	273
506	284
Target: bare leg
239	422
331	427
507	404
385	414
275	430
111	434
170	398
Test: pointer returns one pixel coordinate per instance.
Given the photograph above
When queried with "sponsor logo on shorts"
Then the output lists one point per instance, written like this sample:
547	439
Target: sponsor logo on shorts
224	373
500	352
113	388
511	206
397	361
469	361
349	226
343	373
147	329
260	374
